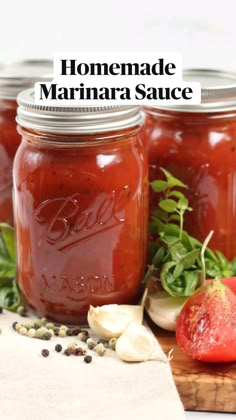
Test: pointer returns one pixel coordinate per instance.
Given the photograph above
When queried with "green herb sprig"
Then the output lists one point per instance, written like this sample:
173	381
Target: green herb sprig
10	297
175	255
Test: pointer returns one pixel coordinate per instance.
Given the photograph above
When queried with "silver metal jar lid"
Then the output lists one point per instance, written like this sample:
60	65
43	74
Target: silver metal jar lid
19	75
218	91
74	120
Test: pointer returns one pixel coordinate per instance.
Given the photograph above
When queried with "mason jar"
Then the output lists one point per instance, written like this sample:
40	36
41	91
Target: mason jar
81	207
13	78
197	144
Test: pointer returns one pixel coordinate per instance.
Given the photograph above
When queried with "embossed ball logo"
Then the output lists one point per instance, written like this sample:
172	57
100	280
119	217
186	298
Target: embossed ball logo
67	224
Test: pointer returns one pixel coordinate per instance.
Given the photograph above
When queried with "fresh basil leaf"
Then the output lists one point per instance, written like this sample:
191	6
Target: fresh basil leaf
168	205
158	257
159	186
189	260
7	233
171	180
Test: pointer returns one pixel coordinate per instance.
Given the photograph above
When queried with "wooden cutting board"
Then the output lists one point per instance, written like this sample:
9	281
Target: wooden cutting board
201	386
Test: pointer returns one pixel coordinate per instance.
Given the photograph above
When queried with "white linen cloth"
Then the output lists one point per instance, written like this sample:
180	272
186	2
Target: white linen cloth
59	387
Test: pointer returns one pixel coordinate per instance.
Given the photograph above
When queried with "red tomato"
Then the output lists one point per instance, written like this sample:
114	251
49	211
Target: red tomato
206	326
229	281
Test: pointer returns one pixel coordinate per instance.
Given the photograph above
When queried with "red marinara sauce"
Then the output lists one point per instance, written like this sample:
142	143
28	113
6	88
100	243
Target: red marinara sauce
13	78
198	145
81	210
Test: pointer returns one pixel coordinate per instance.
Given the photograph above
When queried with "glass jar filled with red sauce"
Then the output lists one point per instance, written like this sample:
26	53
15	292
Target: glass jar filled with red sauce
198	145
81	210
13	78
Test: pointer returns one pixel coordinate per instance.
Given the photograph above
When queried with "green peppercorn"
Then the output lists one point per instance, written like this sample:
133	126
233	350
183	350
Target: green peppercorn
23	331
112	343
43	321
40	332
49	325
100	349
90	343
88	358
18	326
63	327
31	332
51	331
83	336
29	325
58	348
21	310
72	346
62	333
45	353
37	323
104	342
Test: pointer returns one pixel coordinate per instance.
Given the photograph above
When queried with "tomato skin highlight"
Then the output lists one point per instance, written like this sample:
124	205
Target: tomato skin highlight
229	281
206	326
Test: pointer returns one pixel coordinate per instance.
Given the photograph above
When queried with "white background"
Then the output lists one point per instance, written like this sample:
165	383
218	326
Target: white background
204	31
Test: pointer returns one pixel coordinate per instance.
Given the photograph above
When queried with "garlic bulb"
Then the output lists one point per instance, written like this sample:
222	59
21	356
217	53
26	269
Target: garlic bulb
164	309
137	344
110	321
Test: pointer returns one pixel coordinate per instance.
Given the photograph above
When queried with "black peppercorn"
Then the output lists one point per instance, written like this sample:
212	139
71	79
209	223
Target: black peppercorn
69	332
45	353
47	336
75	330
88	359
14	325
58	348
79	351
68	352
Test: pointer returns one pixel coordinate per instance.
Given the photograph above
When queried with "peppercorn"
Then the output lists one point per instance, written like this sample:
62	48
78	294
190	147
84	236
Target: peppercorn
23	331
100	349
58	348
90	343
69	332
21	310
45	353
46	336
63	327
75	330
72	346
83	336
112	343
31	332
68	352
40	332
1	309
51	331
62	333
49	325
56	331
88	359
29	325
79	351
18	326
14	325
104	342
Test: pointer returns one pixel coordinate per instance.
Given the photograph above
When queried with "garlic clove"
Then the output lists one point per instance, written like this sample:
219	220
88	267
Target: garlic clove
164	309
137	344
110	321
